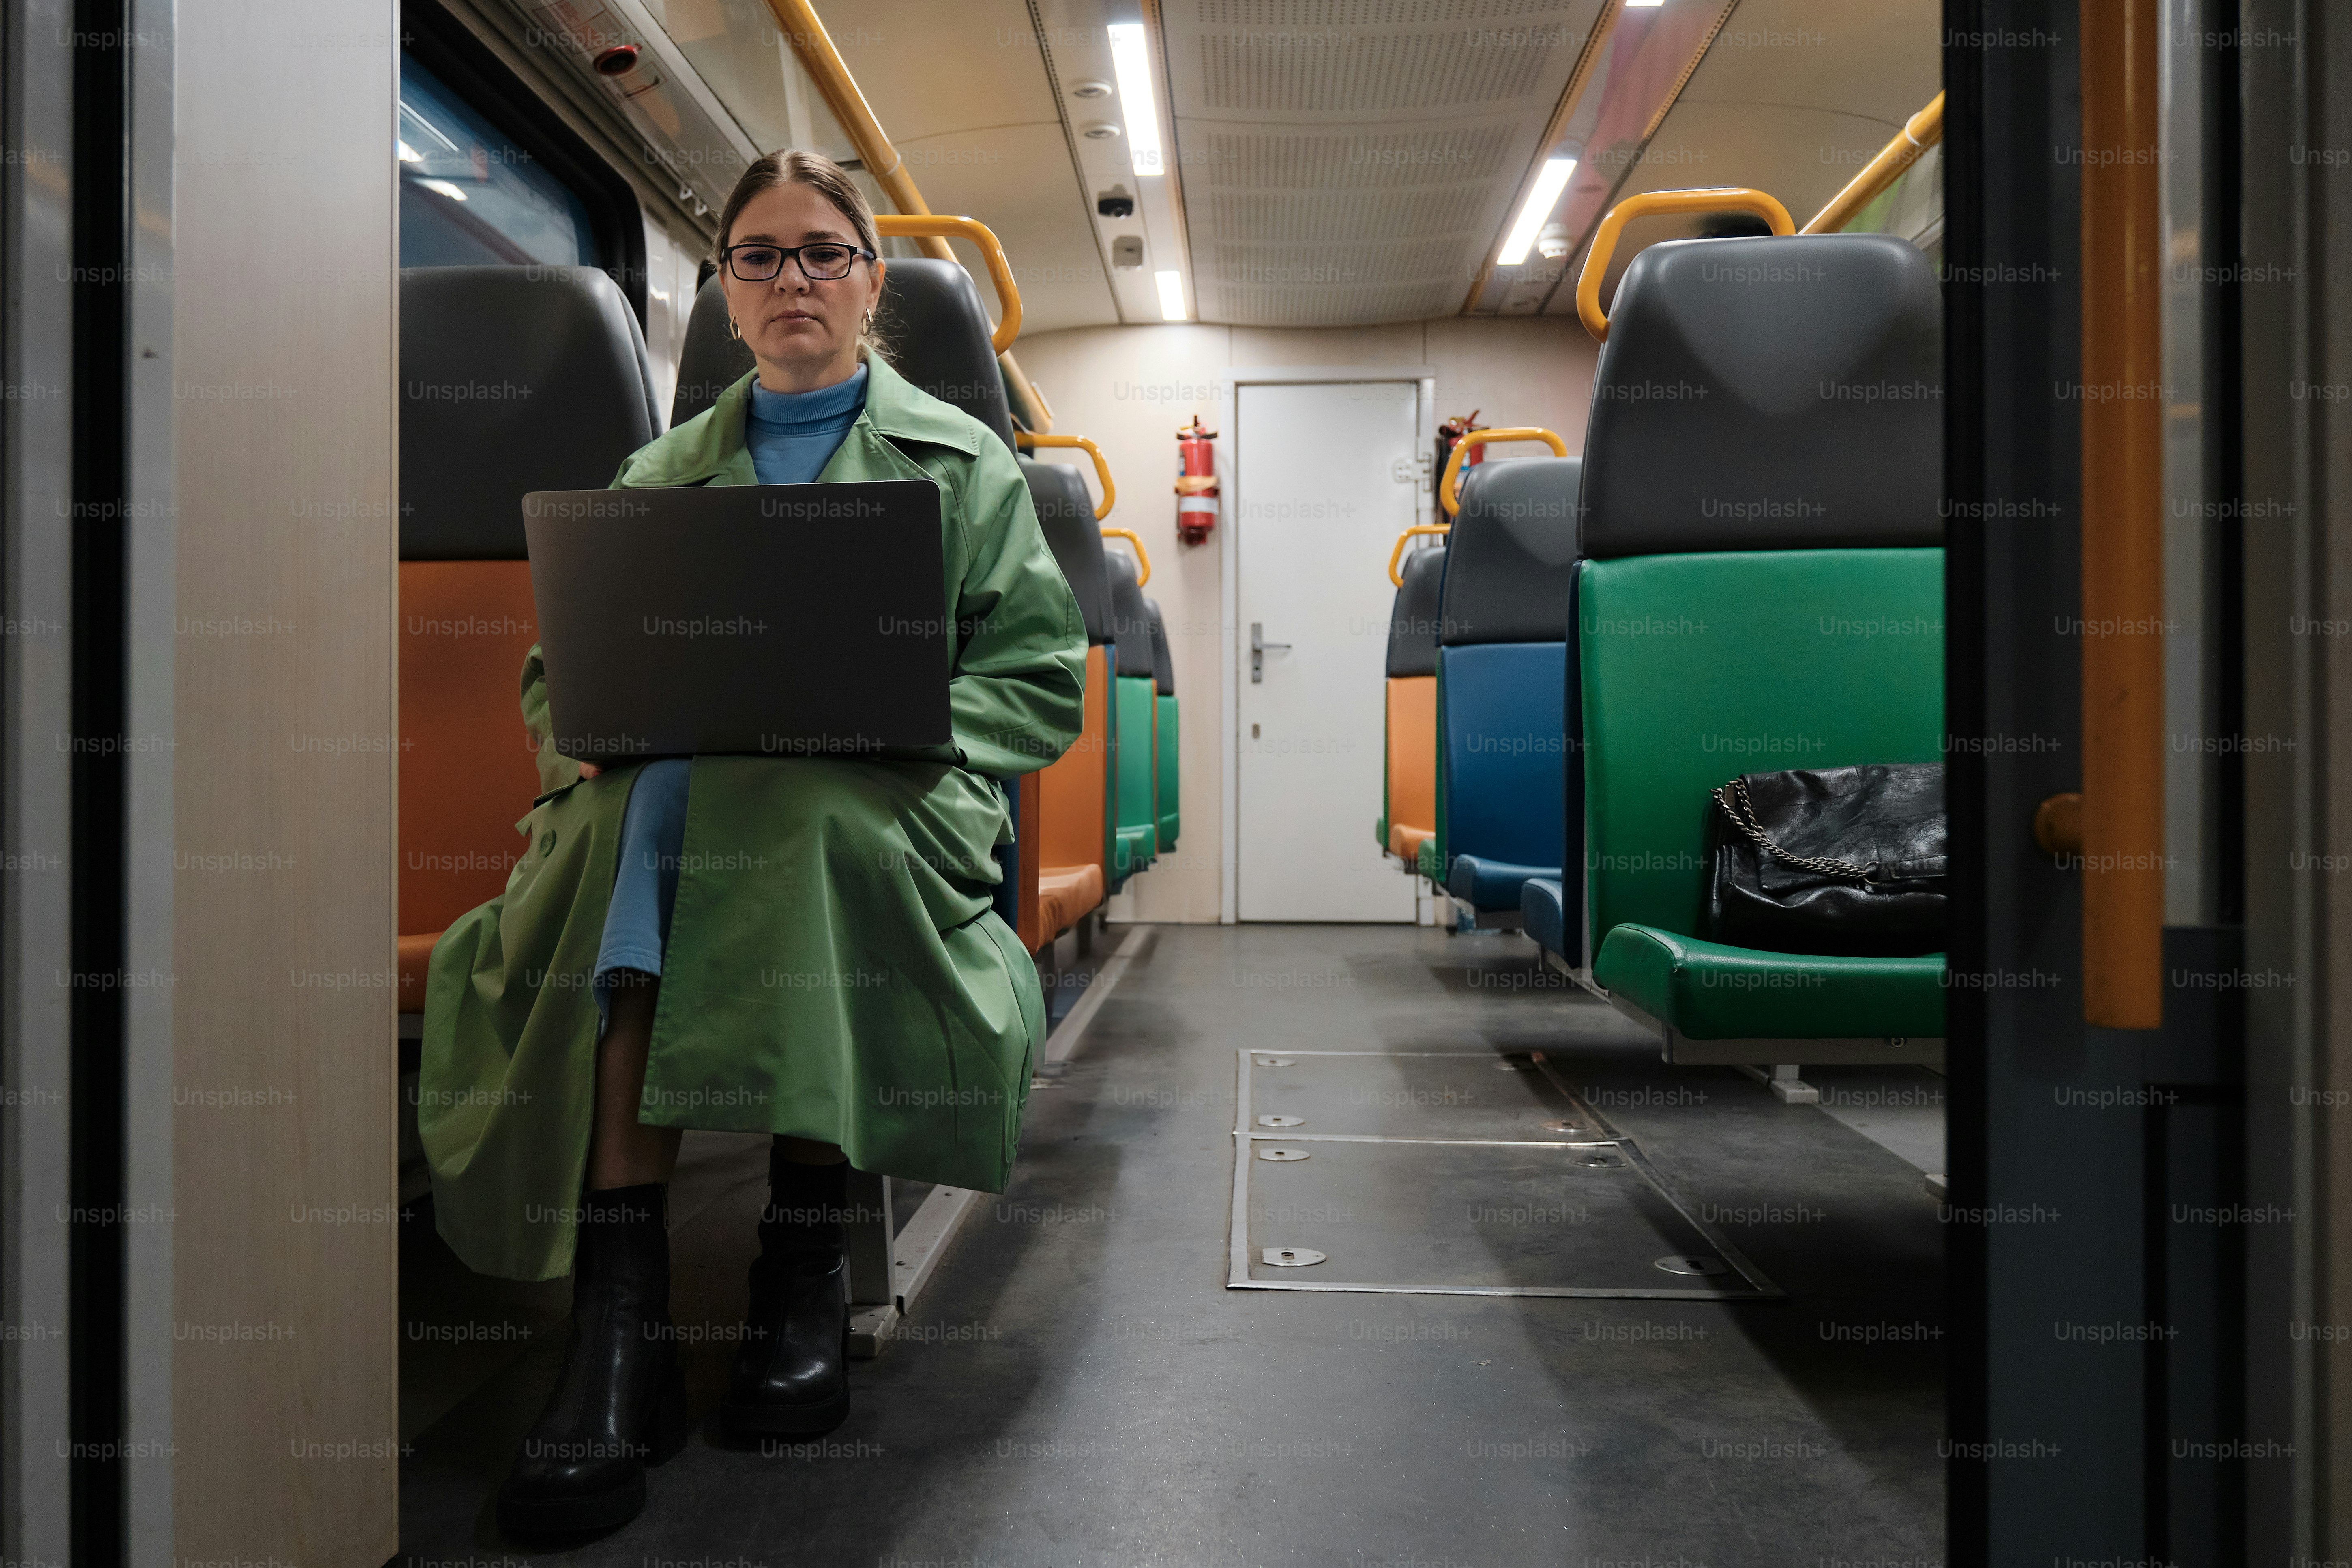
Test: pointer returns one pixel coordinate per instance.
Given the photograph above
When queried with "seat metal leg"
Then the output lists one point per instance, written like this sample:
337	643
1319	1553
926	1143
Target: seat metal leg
873	1284
1785	1084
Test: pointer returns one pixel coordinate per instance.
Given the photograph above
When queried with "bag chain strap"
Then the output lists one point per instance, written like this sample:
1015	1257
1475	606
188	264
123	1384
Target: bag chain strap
1821	865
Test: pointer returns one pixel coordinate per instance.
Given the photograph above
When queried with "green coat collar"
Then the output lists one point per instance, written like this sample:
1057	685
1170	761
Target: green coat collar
710	447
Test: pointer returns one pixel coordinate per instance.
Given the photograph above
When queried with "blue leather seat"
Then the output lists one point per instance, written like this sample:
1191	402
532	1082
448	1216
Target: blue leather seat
1543	914
1502	676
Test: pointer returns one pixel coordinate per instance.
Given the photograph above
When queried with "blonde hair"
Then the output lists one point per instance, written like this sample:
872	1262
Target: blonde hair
793	166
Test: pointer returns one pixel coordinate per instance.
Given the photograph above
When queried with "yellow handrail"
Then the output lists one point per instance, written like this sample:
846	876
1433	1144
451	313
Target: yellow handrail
1923	130
1725	198
1449	489
801	28
1140	554
1031	439
922	226
1396	556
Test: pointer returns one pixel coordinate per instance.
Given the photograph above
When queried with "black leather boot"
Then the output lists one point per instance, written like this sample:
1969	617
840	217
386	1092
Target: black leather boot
792	1377
620	1403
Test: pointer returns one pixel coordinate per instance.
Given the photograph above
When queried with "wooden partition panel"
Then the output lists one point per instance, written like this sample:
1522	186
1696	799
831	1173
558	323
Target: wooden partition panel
285	1358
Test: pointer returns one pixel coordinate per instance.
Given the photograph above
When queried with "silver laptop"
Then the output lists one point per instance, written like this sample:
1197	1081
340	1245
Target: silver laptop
765	620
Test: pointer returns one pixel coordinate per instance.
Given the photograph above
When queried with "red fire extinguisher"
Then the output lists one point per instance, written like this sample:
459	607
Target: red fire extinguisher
1196	481
1449	436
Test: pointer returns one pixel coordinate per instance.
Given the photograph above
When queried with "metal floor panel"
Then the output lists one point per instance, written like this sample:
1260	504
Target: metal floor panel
1488	1178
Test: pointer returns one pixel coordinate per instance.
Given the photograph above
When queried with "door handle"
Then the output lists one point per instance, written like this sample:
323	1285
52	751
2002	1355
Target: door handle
1258	649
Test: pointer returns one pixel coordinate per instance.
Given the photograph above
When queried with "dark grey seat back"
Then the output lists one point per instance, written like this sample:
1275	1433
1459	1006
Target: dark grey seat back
1781	393
1162	667
1131	622
1413	623
1066	514
512	379
1511	553
930	316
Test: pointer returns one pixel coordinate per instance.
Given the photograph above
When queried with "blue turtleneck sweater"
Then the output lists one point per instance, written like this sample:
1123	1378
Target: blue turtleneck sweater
792	435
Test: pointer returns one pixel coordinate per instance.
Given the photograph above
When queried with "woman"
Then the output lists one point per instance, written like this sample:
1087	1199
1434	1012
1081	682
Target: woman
794	945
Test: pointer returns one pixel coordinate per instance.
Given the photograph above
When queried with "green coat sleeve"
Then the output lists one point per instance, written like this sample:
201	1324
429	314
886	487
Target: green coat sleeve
1017	698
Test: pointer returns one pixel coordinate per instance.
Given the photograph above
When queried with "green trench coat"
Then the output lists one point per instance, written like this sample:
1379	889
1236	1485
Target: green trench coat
834	968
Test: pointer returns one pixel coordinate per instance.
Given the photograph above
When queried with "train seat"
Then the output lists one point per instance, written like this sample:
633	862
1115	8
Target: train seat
1170	820
1502	664
1133	752
513	379
1762	589
1409	781
1071	857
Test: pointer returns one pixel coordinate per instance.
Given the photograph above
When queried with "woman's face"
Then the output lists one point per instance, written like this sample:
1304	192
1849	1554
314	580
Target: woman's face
803	333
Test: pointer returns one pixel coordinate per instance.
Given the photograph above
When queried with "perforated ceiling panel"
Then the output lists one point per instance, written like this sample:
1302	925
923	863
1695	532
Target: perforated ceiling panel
1349	161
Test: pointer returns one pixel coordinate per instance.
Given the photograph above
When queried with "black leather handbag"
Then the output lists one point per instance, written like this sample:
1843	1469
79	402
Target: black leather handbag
1837	860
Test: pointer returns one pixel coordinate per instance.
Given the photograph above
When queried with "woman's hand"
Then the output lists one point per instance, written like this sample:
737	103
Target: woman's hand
589	770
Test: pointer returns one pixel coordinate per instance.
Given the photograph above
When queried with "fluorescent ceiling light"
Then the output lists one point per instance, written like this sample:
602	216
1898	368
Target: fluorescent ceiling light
1642	5
1130	59
445	188
1540	196
409	154
1171	295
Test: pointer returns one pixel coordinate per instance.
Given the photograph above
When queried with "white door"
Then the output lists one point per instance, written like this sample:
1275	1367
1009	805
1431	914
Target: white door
1326	479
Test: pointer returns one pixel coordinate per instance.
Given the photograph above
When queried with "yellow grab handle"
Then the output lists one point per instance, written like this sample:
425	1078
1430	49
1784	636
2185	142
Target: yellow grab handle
1449	490
1137	540
1396	556
1923	130
1723	198
1033	439
917	226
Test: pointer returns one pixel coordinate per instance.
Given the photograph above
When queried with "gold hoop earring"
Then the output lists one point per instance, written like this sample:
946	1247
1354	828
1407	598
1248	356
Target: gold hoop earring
734	328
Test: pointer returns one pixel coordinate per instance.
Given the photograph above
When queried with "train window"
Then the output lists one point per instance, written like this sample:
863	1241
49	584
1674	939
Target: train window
471	194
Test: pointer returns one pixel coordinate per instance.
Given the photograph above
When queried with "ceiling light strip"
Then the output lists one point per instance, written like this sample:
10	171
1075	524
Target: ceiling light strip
1171	159
1587	60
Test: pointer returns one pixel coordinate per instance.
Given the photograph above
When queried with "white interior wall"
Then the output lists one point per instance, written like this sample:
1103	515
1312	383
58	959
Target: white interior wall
1128	388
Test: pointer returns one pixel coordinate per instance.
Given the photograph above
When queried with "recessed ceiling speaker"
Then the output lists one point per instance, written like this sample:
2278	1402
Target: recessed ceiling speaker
1090	89
1100	130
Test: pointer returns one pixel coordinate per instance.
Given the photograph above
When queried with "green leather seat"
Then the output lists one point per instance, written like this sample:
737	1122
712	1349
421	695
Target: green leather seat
1761	589
1699	668
1168	817
1135	830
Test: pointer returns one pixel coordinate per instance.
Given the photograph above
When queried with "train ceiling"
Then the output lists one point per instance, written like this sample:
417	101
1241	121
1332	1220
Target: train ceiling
1324	163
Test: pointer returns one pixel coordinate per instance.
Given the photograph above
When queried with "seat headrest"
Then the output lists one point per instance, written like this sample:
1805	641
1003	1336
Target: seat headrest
1066	514
1164	668
713	359
1782	394
930	316
1131	623
1412	623
512	379
1511	553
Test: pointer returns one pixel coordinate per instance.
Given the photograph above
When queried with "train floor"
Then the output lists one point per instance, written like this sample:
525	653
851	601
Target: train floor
1078	1384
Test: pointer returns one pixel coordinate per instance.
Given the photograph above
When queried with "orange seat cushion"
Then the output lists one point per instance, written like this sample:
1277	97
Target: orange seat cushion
1412	760
1070	807
1064	895
468	769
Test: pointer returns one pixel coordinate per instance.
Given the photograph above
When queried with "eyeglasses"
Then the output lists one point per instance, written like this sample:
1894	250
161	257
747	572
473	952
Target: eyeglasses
818	263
